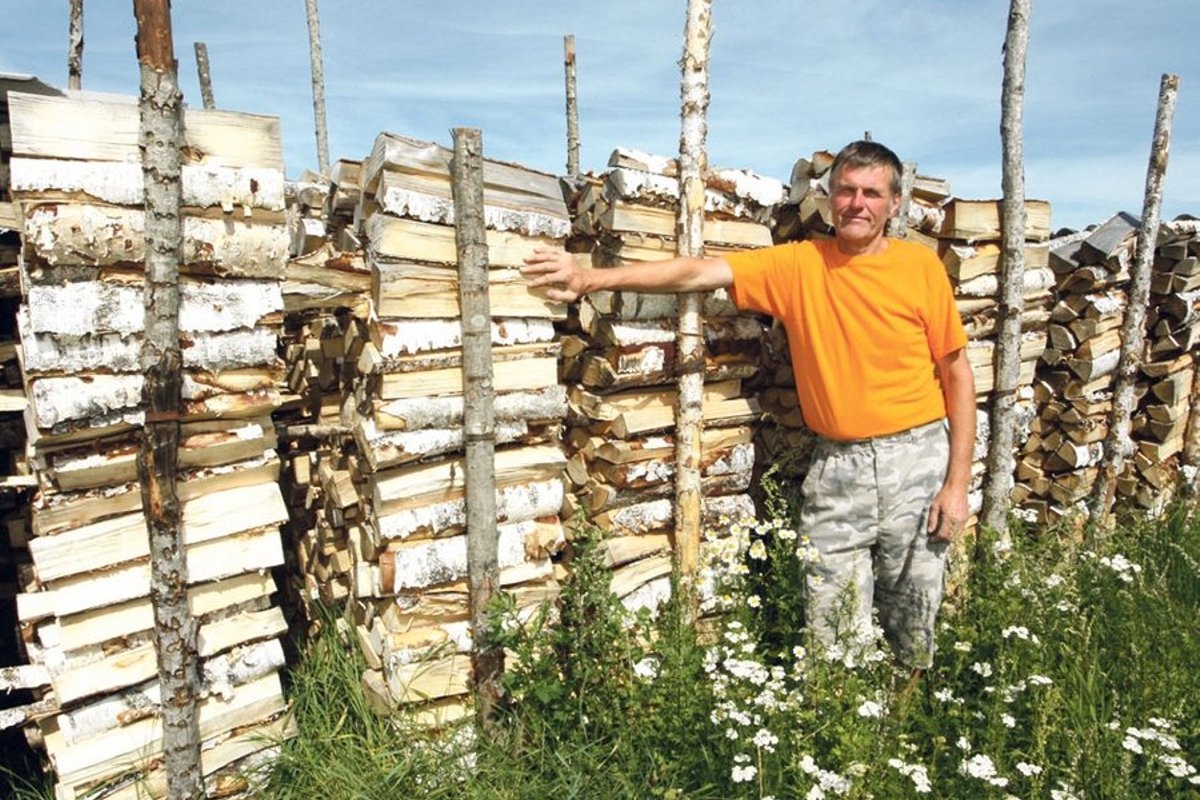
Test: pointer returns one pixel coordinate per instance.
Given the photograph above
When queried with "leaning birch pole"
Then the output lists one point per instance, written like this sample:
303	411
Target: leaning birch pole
997	486
204	75
693	162
75	47
572	107
479	431
1119	445
318	84
161	143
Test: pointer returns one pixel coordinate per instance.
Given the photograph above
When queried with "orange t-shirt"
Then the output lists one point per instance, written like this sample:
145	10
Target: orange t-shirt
864	331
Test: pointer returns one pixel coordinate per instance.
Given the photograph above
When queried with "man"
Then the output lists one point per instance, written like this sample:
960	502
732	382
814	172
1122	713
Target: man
877	350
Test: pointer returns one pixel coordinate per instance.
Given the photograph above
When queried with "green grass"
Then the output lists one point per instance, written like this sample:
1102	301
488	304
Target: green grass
1067	668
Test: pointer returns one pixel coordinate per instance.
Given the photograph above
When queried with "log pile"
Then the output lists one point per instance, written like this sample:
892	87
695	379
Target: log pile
619	359
393	490
1160	424
85	611
1074	382
969	242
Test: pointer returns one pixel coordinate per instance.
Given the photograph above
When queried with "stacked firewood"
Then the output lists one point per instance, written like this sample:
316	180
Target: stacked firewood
1075	379
394	489
326	294
1161	422
969	241
619	358
85	608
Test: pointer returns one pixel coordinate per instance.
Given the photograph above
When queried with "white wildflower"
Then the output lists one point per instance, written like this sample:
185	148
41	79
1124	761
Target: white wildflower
962	647
981	767
984	669
1008	720
765	740
870	708
1027	769
647	668
744	773
963	743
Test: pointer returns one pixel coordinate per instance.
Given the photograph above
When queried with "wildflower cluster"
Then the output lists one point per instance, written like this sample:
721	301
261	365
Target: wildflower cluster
1159	743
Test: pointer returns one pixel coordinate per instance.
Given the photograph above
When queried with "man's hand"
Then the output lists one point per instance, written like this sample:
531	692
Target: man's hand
947	514
554	270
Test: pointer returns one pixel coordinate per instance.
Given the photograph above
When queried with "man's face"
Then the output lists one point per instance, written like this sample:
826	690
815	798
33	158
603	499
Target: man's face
862	202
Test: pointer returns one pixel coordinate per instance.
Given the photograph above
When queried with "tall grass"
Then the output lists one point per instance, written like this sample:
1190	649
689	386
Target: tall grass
1067	668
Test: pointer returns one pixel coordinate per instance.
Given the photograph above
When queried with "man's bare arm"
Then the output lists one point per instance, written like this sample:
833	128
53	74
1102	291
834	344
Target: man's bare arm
564	280
949	509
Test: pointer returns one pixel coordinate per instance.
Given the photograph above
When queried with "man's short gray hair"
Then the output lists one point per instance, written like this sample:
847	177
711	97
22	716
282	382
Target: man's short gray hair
864	153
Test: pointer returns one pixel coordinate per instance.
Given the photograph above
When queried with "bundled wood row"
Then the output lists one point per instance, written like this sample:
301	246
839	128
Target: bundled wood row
1074	383
326	294
85	609
969	242
620	362
394	509
1161	422
16	484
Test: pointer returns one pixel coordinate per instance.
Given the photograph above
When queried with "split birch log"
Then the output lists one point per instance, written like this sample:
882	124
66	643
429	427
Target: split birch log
105	128
94	237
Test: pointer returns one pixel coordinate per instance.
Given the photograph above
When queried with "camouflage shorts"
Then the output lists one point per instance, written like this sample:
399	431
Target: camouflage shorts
865	507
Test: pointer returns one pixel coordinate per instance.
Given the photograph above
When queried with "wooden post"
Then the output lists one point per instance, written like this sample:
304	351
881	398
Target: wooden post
75	47
206	93
1118	445
318	84
998	483
479	432
572	107
897	226
693	162
161	145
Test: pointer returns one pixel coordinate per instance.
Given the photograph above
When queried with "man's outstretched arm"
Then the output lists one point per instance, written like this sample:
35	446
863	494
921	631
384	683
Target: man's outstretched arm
556	271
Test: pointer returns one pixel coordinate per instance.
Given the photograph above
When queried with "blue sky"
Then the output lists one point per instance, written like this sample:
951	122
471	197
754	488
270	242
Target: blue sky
787	77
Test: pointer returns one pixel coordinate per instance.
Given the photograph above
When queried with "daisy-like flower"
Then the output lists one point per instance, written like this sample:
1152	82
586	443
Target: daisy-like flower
1027	769
758	550
963	743
754	601
1008	720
